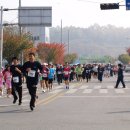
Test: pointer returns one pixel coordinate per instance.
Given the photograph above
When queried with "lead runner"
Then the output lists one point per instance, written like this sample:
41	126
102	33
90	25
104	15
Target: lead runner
30	68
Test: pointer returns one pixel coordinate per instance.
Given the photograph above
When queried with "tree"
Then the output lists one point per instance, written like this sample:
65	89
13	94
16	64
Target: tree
51	52
128	51
70	58
14	43
124	58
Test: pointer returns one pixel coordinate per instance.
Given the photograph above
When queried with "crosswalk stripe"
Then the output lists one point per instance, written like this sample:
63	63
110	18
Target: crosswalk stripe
110	87
88	91
97	87
103	91
119	91
83	87
71	91
57	87
56	91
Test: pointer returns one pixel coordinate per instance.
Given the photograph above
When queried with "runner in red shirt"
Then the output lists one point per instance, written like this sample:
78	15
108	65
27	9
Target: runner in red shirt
66	72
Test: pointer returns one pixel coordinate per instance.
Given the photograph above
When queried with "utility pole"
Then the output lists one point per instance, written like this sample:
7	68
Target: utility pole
1	39
20	29
61	32
68	41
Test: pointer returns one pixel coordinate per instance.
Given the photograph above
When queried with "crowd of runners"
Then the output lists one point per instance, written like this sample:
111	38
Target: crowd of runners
33	72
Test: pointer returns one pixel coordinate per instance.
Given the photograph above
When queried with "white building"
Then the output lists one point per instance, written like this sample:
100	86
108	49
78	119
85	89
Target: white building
39	34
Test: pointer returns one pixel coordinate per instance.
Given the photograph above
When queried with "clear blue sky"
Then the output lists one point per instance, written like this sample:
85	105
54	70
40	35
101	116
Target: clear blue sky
79	13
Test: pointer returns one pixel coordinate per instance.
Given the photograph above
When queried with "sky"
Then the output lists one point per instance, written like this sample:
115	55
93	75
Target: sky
79	13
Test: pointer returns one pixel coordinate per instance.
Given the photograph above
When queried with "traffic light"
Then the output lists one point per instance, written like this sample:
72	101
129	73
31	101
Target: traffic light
107	6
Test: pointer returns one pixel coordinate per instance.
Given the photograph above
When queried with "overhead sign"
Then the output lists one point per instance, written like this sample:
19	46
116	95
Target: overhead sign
127	4
35	16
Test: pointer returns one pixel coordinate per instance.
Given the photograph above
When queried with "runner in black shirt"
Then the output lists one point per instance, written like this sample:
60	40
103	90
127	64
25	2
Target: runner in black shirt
30	68
16	71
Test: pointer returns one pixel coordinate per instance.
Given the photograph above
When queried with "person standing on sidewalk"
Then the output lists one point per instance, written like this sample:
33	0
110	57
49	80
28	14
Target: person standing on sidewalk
16	71
31	68
120	77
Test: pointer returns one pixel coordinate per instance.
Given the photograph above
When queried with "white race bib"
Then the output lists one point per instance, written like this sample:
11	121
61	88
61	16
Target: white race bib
66	72
15	79
9	78
31	73
44	75
59	72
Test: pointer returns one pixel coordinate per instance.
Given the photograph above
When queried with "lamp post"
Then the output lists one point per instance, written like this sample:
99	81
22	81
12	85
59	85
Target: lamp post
1	39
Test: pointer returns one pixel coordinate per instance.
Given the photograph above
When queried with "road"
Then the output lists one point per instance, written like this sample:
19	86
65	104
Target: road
85	106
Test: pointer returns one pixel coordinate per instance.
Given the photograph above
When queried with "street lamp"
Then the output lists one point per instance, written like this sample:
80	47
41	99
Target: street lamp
1	39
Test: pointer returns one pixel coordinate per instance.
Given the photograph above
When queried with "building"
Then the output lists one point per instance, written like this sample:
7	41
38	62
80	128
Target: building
39	34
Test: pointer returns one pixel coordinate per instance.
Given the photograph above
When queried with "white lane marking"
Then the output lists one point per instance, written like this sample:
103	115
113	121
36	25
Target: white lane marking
56	91
27	100
57	87
126	96
83	87
110	87
88	91
97	87
70	91
103	91
119	91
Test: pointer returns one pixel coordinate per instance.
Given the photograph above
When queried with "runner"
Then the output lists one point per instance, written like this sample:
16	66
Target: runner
59	74
8	78
31	68
16	71
45	72
51	76
79	71
1	83
66	72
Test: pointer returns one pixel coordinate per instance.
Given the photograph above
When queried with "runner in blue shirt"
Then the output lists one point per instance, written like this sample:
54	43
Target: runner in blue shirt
51	76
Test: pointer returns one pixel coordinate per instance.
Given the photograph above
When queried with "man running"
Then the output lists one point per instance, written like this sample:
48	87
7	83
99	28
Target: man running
16	70
31	68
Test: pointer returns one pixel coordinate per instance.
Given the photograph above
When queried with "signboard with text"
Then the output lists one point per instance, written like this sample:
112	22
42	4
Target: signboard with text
35	16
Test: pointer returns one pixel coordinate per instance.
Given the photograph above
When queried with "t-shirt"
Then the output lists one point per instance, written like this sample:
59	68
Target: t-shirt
32	76
66	71
51	73
16	76
45	72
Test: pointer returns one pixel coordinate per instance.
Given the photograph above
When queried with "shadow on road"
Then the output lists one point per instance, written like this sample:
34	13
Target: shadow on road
15	111
117	112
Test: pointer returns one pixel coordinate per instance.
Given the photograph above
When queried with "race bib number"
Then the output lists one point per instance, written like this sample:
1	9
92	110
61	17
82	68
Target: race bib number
87	71
15	79
66	72
59	72
31	73
9	78
44	75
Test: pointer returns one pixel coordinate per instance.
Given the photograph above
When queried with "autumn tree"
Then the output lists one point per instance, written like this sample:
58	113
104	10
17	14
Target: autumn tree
51	52
70	58
14	43
128	51
124	58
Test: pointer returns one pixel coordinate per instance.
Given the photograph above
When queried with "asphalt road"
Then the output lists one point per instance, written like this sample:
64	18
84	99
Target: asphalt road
85	106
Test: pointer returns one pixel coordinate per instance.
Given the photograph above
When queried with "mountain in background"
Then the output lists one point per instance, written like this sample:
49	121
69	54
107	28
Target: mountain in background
94	40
